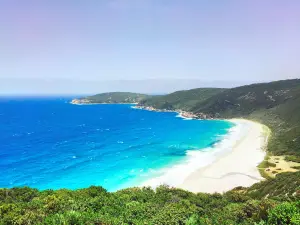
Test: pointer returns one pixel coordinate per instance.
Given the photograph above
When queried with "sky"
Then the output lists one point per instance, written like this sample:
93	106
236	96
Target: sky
89	46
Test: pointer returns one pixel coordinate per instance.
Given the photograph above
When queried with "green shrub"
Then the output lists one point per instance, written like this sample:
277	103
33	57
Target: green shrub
271	164
296	167
292	158
233	196
284	214
174	213
23	194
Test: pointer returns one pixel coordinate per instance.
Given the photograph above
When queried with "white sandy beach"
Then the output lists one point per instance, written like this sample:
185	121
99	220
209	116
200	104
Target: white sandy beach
236	168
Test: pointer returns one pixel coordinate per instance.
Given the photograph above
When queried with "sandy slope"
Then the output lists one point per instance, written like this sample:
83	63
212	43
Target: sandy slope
237	168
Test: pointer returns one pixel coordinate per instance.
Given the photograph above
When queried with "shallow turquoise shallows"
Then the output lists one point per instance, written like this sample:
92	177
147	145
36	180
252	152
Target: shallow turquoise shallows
48	143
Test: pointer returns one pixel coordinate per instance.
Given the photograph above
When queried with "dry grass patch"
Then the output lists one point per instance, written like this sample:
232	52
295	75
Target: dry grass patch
278	164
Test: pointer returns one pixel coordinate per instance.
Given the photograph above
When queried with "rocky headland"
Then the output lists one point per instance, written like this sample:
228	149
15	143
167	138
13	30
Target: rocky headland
182	113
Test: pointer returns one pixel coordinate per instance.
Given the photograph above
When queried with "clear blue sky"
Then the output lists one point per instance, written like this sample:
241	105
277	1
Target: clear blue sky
100	40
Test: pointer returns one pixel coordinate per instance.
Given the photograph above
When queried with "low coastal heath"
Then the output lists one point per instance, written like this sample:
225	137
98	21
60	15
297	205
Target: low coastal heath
238	167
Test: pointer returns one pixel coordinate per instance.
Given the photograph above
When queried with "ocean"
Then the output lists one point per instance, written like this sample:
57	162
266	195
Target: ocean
47	143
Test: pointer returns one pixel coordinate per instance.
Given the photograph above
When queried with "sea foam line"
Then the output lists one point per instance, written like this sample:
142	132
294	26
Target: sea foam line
197	159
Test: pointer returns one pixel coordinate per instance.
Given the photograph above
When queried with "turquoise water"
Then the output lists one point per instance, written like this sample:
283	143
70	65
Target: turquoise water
48	143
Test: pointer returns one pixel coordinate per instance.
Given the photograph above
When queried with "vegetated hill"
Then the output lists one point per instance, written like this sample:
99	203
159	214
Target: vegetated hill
166	205
244	100
116	97
181	99
275	104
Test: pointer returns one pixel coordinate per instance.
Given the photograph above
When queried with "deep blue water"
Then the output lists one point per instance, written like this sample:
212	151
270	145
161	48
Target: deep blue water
48	143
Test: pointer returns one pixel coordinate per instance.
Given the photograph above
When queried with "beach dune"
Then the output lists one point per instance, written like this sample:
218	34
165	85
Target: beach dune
237	168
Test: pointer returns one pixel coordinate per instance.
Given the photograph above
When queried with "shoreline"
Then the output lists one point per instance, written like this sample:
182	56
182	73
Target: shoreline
234	169
181	113
229	165
235	164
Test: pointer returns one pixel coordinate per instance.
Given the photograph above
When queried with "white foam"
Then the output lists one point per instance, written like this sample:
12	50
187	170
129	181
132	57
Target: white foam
179	115
197	159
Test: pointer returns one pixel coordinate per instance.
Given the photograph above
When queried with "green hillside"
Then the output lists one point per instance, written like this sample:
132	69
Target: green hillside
275	104
284	186
243	101
167	206
114	97
181	99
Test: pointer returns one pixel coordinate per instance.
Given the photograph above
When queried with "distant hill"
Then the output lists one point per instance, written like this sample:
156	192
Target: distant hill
112	97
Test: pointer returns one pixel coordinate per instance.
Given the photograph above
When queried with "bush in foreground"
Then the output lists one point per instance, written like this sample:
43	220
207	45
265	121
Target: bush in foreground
166	205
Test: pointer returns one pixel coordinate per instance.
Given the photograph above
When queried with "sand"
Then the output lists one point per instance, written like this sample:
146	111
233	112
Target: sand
237	168
282	166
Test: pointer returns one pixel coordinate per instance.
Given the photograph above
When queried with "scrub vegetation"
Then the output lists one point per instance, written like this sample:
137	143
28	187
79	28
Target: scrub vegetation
274	201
